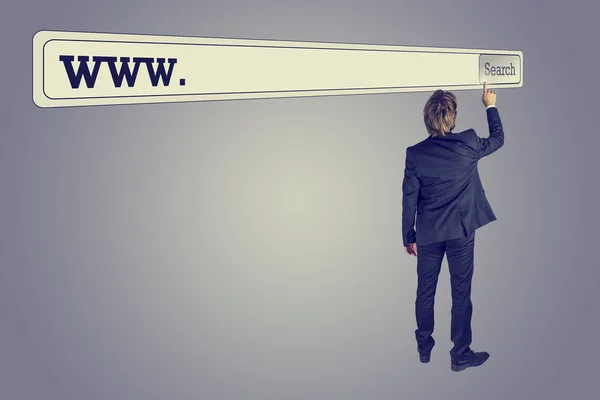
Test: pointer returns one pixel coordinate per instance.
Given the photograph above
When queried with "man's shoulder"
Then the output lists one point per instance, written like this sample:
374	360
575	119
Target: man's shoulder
467	136
451	135
465	133
433	145
419	145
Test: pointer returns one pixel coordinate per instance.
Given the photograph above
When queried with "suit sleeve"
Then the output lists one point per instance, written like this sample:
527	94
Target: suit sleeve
410	196
487	146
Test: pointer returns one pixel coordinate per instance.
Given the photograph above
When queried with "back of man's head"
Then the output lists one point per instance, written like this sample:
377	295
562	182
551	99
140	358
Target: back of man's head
440	113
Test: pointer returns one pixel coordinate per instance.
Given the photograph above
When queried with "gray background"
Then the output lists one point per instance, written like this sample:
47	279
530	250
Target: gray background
252	249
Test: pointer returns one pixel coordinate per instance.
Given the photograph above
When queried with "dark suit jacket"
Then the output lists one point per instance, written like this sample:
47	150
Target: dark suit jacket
442	185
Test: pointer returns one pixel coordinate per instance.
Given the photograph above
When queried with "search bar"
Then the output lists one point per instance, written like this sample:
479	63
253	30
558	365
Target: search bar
86	69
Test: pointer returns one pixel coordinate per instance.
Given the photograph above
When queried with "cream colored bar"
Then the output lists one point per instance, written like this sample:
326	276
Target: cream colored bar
84	69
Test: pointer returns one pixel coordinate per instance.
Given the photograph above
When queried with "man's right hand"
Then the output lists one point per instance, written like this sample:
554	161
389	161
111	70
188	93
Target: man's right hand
411	249
489	97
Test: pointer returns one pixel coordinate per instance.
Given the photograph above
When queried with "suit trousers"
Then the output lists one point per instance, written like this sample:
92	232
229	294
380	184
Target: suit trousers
459	253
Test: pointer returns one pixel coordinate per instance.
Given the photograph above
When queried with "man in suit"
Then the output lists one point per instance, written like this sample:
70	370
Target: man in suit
442	187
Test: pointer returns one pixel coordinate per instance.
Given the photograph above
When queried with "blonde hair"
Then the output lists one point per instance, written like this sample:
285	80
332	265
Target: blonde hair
440	113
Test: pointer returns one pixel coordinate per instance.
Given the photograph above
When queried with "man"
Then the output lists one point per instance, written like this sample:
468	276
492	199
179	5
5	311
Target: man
442	187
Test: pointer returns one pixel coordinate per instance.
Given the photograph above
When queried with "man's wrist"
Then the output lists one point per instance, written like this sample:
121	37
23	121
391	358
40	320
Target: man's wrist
490	106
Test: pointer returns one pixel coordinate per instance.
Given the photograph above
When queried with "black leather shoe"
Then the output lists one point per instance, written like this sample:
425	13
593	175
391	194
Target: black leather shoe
425	357
473	359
